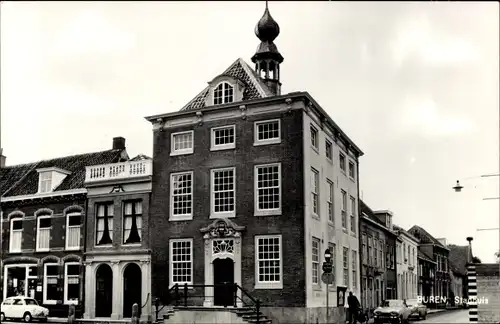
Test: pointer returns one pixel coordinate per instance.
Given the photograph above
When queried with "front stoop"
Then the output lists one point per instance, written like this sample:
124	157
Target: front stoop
245	314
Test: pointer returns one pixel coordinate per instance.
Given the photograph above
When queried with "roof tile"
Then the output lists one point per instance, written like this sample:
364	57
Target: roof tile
255	87
75	164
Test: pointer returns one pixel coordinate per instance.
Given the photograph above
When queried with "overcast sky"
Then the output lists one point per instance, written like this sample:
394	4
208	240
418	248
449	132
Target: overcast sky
415	85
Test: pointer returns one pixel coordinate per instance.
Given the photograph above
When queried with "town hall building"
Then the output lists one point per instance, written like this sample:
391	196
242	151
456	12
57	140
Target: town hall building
251	186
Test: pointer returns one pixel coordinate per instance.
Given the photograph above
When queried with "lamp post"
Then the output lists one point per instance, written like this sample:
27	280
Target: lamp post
327	277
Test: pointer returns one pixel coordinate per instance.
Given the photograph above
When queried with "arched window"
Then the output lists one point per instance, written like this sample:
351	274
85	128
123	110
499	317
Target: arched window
223	93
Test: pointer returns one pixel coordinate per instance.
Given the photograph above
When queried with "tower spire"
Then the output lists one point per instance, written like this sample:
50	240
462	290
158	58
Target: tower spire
267	58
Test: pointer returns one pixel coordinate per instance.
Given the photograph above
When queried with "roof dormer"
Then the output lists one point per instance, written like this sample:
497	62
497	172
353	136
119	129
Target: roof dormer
50	178
224	89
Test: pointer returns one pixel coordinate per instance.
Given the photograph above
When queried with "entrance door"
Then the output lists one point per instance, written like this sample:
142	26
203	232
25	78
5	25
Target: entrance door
224	276
104	291
132	289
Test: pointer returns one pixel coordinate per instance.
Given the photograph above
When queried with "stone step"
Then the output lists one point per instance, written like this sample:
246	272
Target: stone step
265	321
246	312
254	316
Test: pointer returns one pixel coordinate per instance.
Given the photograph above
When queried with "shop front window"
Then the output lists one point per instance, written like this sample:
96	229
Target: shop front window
21	280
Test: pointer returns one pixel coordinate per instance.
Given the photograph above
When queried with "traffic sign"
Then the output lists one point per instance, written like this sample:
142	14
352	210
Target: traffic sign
328	278
327	267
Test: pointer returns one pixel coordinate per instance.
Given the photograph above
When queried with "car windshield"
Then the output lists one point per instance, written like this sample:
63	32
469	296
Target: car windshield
392	303
30	302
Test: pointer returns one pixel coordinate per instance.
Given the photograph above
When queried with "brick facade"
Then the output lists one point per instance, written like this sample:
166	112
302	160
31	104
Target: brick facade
244	157
58	254
484	287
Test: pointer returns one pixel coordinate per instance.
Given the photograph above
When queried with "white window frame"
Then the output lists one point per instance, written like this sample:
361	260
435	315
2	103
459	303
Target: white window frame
45	300
38	249
352	225
256	140
354	262
316	263
171	254
343	209
183	216
66	301
264	284
345	280
329	151
213	213
314	141
50	178
12	220
68	215
227	146
224	86
112	230
330	205
341	154
267	212
139	216
349	163
315	204
173	151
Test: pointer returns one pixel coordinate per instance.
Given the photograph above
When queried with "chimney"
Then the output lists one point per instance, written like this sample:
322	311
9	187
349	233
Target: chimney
118	143
2	159
469	254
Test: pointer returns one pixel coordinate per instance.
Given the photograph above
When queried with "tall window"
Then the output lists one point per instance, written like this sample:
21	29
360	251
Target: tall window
370	250
268	189
329	202
364	249
181	193
314	137
132	222
269	263
315	260
409	255
45	182
16	235
104	226
50	289
267	132
73	229
333	251
352	173
181	260
328	150
223	137
345	259
182	143
315	191
354	267
71	282
223	93
381	253
353	215
44	225
344	210
223	192
405	258
375	252
342	161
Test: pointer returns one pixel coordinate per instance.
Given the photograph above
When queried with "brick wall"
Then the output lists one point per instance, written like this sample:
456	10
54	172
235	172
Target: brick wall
484	285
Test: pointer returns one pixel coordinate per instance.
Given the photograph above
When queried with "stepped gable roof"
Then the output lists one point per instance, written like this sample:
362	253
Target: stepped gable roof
255	86
23	179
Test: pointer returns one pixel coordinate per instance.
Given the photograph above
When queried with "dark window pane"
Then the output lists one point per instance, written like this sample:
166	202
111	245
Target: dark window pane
17	224
74	220
45	222
52	270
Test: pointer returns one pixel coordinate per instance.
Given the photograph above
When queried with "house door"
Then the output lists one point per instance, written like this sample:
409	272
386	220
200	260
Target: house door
224	282
104	291
132	289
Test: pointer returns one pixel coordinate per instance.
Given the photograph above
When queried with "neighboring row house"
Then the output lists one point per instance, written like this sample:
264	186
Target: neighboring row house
436	250
407	256
457	265
378	249
426	275
251	187
43	219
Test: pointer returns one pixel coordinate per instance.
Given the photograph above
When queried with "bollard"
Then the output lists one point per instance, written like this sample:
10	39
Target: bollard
135	314
71	314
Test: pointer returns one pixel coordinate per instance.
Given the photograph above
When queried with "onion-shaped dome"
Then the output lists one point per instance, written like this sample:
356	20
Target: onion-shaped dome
267	29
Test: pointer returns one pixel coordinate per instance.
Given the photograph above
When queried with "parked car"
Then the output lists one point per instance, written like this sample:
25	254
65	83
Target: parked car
22	308
418	310
392	311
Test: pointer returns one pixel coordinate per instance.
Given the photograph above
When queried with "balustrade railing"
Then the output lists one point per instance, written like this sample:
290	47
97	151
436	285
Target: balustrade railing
115	171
